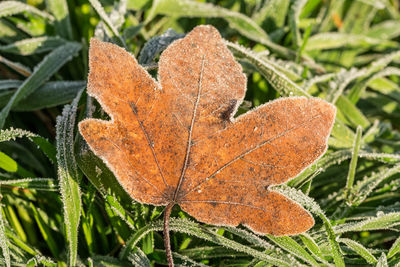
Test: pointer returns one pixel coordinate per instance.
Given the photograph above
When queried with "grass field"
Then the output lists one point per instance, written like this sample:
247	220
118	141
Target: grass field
61	206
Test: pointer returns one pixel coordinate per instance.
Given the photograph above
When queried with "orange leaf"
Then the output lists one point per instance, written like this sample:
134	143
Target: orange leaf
175	141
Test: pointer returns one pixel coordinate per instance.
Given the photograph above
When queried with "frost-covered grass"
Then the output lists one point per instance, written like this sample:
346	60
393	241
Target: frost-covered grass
61	206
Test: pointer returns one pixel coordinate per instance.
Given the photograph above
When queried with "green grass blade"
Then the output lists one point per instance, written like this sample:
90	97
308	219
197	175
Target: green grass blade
274	11
15	222
103	15
288	244
311	245
353	163
386	30
7	163
49	95
188	8
359	249
107	261
238	21
278	80
62	23
3	241
294	14
44	261
194	229
45	184
380	222
32	46
352	113
69	176
120	211
365	187
252	239
18	67
45	231
382	85
374	67
341	136
138	258
44	145
20	243
313	207
7	84
9	33
382	262
395	248
202	253
43	71
156	45
9	8
332	40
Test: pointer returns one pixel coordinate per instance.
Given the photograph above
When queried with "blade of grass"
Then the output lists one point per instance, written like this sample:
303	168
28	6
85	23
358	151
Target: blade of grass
386	30
47	148
194	229
365	187
7	163
274	10
313	207
359	249
238	21
138	258
45	184
382	262
395	248
351	112
43	71
15	222
49	95
278	80
103	15
288	244
46	232
7	84
32	46
312	245
69	176
18	67
332	40
353	163
294	15
62	23
20	243
380	222
4	240
9	8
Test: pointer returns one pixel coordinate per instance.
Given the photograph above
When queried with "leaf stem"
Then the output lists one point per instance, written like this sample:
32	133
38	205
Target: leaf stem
167	242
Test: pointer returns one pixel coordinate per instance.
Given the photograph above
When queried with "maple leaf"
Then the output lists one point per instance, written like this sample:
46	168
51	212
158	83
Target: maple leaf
175	141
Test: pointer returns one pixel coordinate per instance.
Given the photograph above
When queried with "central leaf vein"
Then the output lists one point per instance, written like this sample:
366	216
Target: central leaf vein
189	143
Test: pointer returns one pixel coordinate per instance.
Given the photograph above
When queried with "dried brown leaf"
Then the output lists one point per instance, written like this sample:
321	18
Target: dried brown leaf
175	141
